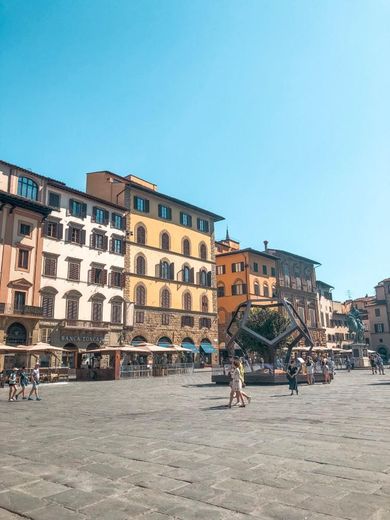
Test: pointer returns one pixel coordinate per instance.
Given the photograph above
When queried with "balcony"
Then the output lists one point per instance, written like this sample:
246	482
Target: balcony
81	324
21	310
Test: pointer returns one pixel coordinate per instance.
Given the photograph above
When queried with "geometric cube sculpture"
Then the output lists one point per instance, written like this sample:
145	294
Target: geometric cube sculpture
294	328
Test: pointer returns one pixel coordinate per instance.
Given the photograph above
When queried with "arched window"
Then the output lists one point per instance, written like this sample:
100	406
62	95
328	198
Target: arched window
257	288
140	235
164	342
165	299
203	278
205	304
265	289
203	251
48	295
72	305
140	265
97	308
186	274
187	301
165	241
186	247
221	289
165	270
116	310
140	295
27	188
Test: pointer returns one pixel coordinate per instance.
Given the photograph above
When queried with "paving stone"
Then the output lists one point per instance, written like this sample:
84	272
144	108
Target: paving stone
6	515
42	488
114	509
76	499
18	502
53	511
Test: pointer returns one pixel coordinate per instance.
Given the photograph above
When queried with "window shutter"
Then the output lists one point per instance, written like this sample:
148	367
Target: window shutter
123	280
242	267
104	276
83	210
106	217
105	243
90	275
70	206
209	279
234	290
68	234
110	280
123	247
172	271
93	219
192	274
158	270
198	278
135	201
146	206
170	213
244	288
160	210
233	268
46	228
82	237
92	240
60	230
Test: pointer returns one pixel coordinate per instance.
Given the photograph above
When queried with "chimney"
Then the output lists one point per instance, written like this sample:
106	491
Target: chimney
265	245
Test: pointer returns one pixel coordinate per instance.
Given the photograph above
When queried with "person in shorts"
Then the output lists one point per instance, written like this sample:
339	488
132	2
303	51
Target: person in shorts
12	384
23	382
35	383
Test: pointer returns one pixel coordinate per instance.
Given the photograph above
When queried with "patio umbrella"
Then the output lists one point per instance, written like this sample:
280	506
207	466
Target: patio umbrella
6	349
156	349
43	347
179	348
123	348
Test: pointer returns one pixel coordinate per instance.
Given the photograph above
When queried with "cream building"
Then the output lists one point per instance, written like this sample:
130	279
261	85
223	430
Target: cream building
333	317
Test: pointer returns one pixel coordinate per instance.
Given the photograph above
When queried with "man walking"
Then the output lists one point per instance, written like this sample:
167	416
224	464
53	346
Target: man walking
35	383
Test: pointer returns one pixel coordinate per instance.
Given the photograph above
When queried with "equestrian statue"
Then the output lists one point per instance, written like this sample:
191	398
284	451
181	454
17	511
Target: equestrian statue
355	325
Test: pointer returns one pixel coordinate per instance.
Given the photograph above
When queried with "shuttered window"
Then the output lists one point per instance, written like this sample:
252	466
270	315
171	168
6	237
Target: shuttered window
72	309
116	312
165	299
50	266
116	279
74	271
98	276
97	311
141	204
77	209
48	305
139	317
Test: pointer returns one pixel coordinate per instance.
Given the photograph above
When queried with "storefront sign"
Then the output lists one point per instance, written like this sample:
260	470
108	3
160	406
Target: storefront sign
85	339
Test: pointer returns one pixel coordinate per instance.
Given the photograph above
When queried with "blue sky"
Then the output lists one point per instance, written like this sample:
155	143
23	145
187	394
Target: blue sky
275	114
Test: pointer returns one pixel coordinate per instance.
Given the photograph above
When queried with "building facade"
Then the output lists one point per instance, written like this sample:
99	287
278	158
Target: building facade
242	274
169	264
296	281
333	317
79	264
378	313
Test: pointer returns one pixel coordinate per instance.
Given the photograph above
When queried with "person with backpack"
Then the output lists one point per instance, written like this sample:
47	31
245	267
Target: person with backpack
23	382
35	383
12	384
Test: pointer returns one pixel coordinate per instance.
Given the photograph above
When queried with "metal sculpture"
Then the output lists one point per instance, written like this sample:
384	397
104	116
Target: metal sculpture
290	337
355	325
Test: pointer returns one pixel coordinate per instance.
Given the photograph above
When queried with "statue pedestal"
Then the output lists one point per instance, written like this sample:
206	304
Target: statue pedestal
360	355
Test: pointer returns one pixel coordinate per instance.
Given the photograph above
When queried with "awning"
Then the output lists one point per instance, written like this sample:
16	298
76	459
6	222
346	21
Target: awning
208	348
190	346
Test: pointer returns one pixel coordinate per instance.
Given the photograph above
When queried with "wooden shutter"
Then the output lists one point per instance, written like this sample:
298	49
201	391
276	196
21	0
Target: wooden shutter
123	280
172	271
234	268
198	278
244	288
68	233
234	290
105	243
82	237
70	206
83	210
60	230
106	217
160	210
170	213
209	279
192	275
92	240
91	275
104	274
158	270
242	266
146	206
46	228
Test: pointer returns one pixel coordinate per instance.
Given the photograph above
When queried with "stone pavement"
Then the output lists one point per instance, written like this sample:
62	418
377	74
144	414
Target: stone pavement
164	449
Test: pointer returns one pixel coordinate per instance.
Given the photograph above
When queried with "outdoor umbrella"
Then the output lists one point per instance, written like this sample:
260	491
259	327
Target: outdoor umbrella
179	348
6	349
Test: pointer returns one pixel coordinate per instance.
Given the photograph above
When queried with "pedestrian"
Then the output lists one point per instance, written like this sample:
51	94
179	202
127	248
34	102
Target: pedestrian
379	362
236	387
373	365
23	382
332	368
292	376
310	371
325	371
12	384
242	376
35	383
348	364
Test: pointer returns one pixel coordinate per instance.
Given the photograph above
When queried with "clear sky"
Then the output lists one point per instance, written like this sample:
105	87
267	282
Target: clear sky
274	114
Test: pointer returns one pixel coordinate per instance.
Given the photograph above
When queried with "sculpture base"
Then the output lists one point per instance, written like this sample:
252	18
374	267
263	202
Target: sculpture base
360	355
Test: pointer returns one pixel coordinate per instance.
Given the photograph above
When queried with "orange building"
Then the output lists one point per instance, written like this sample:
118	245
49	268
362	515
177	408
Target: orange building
242	274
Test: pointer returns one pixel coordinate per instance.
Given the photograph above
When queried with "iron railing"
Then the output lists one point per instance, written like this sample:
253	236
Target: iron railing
21	310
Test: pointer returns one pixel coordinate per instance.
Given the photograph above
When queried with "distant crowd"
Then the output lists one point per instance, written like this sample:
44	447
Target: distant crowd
20	379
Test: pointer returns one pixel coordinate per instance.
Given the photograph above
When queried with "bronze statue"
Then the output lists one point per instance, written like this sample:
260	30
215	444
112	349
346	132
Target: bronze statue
355	325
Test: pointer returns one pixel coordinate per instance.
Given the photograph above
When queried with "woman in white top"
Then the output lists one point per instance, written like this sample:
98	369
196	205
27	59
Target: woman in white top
236	386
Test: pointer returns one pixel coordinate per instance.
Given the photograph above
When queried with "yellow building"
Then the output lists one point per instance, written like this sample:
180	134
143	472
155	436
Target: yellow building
169	264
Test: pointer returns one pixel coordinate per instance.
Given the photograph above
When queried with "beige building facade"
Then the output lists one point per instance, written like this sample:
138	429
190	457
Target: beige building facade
333	317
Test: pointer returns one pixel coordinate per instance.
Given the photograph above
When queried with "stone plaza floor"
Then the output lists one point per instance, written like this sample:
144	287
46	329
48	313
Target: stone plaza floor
163	449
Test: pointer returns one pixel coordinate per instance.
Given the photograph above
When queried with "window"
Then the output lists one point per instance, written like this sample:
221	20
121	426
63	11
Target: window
265	290
23	258
165	298
24	229
140	295
203	225
98	241
74	270
140	265
239	288
54	200
116	279
377	312
47	304
312	317
221	269
165	241
186	247
165	270
187	321
117	246
72	309
238	267
379	328
139	316
77	209
205	323
185	219
187	274
273	271
203	278
187	301
322	319
265	270
53	229
203	252
141	204
220	290
50	266
256	267
164	212
99	215
75	235
286	274
116	312
141	235
301	312
19	300
27	188
97	276
257	289
205	304
117	221
97	311
164	319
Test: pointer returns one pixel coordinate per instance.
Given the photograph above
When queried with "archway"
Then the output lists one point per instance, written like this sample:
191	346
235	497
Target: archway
69	356
164	342
16	334
138	340
189	343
